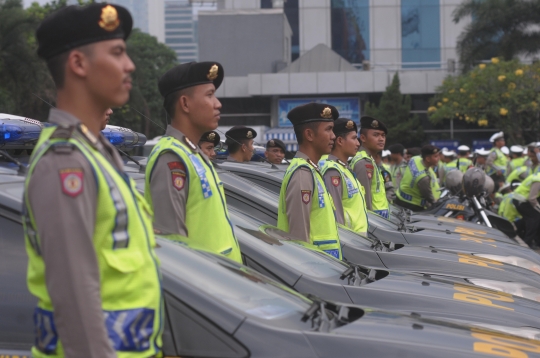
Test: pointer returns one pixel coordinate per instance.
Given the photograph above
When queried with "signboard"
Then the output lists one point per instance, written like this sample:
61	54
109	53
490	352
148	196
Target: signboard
448	143
347	107
481	143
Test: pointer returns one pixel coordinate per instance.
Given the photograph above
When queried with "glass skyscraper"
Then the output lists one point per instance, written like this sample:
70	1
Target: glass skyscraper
180	30
350	29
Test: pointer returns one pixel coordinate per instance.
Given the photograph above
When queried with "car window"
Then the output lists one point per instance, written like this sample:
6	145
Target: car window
381	222
238	184
235	286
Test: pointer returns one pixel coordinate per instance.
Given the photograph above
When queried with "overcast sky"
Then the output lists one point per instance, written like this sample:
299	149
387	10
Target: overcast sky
28	2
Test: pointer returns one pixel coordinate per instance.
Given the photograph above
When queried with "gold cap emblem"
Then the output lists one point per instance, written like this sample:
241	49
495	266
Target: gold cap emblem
435	151
326	113
349	125
211	136
249	134
375	124
213	73
109	18
271	143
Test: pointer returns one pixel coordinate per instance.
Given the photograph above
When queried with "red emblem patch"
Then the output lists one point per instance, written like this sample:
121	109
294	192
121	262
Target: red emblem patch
72	181
176	166
336	181
178	180
369	169
306	196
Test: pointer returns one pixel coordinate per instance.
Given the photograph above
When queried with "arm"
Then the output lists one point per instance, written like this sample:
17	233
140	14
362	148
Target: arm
533	196
66	241
424	185
169	189
332	181
298	202
364	171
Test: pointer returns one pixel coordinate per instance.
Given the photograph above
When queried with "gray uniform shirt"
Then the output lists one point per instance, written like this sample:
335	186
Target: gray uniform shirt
424	186
298	208
397	172
65	226
364	171
168	197
333	182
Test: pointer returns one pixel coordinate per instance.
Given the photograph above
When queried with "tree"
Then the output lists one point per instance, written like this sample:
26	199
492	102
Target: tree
395	111
502	94
152	59
500	28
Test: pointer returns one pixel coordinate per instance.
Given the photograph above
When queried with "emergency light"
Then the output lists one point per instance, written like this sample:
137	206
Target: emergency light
123	137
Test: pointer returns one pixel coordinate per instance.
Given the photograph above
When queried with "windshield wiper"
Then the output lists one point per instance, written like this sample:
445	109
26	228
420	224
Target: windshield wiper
357	277
320	320
22	169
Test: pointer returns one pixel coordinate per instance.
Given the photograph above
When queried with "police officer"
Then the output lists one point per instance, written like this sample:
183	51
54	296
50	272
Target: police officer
387	177
181	184
399	164
419	188
518	158
373	137
525	201
94	298
481	157
306	210
240	143
463	161
275	151
208	142
522	172
449	163
412	152
496	163
346	191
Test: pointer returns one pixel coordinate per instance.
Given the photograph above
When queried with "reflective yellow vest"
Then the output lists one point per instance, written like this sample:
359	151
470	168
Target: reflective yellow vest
516	163
323	226
522	191
354	205
463	164
507	209
408	189
516	173
130	281
207	218
500	163
379	203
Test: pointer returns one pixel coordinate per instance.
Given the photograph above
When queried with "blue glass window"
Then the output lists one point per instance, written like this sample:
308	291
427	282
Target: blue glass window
420	33
350	29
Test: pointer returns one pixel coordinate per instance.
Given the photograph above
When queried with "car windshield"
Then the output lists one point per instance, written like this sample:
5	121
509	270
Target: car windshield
381	222
233	285
242	185
278	244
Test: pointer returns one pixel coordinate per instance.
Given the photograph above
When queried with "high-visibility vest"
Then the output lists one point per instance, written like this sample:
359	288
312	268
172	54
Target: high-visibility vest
408	189
352	199
379	203
130	281
499	164
323	231
206	200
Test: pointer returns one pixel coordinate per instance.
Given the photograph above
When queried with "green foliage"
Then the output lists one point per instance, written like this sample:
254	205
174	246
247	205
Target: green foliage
152	59
501	94
503	28
395	111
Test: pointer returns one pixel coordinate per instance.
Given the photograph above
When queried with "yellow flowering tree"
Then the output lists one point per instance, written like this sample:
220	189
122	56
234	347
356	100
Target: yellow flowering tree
500	94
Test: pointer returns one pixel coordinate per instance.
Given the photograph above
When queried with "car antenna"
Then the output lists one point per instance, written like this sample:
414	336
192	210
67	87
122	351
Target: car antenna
22	170
141	167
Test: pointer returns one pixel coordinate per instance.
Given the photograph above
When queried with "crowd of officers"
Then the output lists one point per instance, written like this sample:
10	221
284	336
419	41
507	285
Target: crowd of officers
92	261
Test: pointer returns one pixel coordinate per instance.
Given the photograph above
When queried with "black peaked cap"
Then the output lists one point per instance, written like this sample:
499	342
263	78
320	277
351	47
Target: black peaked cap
75	26
367	122
241	133
312	112
397	149
189	75
344	125
429	149
211	137
276	143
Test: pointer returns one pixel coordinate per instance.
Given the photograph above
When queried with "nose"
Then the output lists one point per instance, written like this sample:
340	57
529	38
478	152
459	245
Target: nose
130	66
217	104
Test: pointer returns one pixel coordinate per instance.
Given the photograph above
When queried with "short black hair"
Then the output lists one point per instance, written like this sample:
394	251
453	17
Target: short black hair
171	99
57	65
234	145
299	130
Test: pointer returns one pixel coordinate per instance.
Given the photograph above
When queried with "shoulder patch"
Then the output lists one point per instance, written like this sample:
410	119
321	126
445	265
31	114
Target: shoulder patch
336	181
369	166
178	180
176	166
72	181
306	196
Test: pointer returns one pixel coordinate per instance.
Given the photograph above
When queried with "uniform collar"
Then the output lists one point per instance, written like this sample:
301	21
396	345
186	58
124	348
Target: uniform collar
231	159
179	136
364	149
337	160
299	154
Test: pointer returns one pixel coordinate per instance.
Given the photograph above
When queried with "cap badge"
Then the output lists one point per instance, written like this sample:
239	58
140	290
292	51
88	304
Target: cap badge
109	18
271	143
211	136
375	124
435	151
326	113
349	125
213	73
249	134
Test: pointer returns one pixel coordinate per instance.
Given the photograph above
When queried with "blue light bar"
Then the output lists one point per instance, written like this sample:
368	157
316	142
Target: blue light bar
18	132
123	137
9	133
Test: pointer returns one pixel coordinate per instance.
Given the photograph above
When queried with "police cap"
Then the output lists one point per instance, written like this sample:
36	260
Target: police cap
312	112
211	137
396	149
237	133
276	143
429	149
190	74
414	151
367	122
344	125
75	26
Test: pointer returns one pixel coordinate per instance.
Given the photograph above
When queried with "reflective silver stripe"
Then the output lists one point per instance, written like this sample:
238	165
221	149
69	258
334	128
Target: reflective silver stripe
118	328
